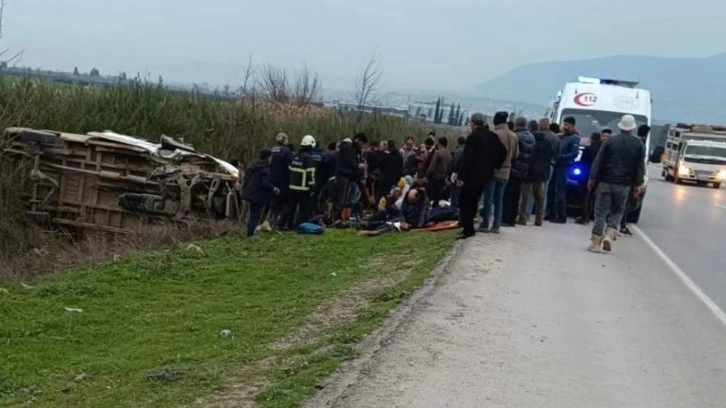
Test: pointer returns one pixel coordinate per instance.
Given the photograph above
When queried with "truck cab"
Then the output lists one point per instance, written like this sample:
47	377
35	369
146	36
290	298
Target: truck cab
697	154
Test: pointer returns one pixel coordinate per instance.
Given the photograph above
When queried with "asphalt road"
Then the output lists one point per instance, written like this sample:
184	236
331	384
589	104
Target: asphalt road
531	319
688	223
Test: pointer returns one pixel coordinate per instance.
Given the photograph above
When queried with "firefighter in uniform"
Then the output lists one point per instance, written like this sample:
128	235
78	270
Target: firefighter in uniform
302	184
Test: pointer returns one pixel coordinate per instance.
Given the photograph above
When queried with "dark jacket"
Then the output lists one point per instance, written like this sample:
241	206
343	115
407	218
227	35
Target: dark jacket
569	149
280	167
416	214
322	169
458	154
331	160
347	161
391	170
257	186
520	165
621	160
554	141
588	157
374	159
425	163
483	154
302	172
440	166
542	155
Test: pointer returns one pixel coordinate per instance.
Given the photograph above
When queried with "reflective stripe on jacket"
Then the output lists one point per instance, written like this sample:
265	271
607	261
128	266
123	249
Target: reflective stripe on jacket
302	172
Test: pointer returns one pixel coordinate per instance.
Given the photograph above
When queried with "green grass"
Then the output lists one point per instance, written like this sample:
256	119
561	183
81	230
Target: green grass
149	331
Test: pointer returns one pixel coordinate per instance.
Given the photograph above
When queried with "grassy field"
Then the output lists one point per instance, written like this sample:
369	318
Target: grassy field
144	331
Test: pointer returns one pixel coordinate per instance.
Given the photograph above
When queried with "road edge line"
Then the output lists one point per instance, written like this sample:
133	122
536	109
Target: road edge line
717	311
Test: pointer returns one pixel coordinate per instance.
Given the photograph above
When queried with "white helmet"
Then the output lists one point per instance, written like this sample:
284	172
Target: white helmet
308	141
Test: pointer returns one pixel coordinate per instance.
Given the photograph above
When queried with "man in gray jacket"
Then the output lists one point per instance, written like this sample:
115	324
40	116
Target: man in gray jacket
494	190
619	165
518	174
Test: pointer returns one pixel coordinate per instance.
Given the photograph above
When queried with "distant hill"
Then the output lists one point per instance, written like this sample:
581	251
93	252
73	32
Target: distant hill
683	89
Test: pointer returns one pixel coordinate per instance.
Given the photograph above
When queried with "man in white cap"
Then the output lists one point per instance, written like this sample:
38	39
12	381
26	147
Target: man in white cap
619	165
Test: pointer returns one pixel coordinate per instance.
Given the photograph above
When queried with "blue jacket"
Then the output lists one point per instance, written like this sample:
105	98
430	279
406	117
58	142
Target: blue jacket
302	171
321	167
569	149
280	168
257	187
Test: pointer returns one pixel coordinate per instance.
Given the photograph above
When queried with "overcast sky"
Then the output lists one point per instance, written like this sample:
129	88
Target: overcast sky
430	44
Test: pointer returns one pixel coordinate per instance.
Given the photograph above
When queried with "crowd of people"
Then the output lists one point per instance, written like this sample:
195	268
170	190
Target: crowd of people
511	172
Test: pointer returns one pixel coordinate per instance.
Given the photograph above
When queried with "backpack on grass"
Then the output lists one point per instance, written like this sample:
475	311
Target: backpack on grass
309	228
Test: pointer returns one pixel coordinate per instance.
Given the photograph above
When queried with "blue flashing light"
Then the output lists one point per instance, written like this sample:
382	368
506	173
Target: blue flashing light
577	173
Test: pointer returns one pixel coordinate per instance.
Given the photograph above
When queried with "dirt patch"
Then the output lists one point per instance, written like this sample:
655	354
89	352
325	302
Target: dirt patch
348	305
251	382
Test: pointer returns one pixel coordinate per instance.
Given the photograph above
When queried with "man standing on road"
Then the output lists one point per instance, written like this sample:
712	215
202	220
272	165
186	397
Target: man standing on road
539	172
586	161
458	154
643	132
483	154
553	136
569	149
494	189
519	173
619	166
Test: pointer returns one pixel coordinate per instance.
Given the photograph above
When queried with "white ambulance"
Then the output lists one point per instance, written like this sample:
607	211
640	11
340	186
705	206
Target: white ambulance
597	104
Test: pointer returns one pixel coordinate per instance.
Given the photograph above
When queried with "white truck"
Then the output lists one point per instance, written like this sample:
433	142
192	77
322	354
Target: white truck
597	104
695	153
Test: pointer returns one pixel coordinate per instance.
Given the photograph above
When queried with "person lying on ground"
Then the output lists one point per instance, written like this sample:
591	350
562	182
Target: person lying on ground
414	215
